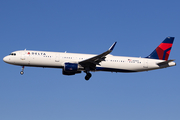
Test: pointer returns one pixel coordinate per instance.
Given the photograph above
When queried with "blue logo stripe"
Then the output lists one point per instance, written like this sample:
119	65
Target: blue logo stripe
164	55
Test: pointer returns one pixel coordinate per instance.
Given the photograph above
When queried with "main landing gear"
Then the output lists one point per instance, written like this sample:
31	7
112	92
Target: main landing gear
22	72
88	75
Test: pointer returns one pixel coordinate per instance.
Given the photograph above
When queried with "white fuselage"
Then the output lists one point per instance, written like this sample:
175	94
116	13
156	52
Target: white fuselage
58	59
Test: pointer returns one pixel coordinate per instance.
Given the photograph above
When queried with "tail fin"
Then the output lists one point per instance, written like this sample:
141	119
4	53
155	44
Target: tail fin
163	50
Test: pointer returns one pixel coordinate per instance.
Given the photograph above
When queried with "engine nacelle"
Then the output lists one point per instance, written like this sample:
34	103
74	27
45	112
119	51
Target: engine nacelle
70	69
70	73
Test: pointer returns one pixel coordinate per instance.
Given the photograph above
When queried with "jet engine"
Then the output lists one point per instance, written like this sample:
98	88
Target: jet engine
70	69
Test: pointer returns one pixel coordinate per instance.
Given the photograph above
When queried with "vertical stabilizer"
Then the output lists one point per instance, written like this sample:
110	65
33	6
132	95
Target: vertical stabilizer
163	50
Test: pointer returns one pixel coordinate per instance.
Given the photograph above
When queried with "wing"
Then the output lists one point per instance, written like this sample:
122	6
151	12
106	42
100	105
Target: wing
92	62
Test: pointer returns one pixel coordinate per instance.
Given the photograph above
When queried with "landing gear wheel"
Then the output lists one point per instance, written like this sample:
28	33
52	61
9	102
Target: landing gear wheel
88	76
21	72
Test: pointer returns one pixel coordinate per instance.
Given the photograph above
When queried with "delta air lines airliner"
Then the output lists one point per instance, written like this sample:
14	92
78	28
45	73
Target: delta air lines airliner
73	63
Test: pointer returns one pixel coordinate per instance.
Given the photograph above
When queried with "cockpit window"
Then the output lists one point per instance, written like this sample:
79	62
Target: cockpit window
14	54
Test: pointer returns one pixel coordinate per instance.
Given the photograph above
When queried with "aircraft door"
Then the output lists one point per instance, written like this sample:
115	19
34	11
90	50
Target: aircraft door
23	53
57	59
145	65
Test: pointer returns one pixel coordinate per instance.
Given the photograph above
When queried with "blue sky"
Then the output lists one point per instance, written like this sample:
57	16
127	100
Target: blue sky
89	27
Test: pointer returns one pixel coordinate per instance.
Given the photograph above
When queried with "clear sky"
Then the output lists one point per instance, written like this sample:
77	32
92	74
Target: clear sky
89	26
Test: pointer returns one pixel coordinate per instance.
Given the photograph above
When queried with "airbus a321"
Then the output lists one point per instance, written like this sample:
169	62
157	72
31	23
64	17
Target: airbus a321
73	63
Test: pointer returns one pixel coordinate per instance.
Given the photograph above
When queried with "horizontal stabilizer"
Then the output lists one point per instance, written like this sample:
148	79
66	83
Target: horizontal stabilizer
164	63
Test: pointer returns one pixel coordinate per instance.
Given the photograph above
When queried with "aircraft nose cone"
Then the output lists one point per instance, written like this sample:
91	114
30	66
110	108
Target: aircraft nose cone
5	59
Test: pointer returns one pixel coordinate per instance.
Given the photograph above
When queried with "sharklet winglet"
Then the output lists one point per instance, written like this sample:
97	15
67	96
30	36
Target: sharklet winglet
112	47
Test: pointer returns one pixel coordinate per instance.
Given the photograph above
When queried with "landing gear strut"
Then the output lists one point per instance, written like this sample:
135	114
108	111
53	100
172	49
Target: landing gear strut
88	75
22	72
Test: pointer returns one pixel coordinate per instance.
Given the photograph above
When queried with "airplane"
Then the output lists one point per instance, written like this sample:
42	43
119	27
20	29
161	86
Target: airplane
74	63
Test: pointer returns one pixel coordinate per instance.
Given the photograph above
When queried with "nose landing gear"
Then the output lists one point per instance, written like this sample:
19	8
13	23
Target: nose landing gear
22	72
